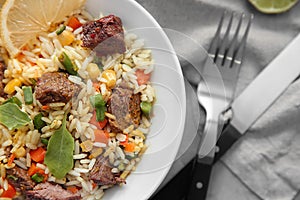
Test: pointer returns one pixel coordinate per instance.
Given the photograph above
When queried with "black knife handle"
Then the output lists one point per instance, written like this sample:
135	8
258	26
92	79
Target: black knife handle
227	138
200	181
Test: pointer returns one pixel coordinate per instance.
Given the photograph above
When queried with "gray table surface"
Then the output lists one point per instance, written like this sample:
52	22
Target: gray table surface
198	19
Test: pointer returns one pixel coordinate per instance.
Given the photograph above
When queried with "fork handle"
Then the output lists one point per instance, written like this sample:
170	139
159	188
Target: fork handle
227	138
200	180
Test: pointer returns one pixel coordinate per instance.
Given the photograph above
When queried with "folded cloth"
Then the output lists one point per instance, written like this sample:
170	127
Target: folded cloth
267	158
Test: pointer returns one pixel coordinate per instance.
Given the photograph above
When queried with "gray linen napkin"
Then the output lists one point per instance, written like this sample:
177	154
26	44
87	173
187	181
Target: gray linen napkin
267	158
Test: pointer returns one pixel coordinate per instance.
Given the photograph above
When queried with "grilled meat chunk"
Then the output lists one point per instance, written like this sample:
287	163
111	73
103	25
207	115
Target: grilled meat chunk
19	178
125	106
48	191
102	175
55	87
105	35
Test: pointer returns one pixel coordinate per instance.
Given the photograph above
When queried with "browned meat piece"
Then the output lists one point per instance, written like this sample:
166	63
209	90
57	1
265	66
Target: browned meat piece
102	175
47	191
105	35
19	178
2	69
125	106
55	87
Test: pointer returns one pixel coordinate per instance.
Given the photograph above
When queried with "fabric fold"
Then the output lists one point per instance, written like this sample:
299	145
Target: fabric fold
267	158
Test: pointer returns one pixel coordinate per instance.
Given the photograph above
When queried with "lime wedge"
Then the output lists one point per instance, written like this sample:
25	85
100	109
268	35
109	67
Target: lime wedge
273	6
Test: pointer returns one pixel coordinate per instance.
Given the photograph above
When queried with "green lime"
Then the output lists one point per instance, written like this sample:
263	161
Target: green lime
273	6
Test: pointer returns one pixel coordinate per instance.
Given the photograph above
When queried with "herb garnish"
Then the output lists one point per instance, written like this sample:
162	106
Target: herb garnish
12	117
59	155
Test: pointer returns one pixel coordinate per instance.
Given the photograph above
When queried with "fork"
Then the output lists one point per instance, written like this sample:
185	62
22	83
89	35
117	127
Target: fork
216	92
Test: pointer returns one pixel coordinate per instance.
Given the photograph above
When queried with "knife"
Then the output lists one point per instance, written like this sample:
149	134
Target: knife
260	94
251	104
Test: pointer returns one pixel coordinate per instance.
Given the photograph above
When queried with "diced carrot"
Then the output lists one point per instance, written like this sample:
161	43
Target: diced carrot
142	78
72	189
9	193
45	107
99	125
93	121
124	142
96	86
32	170
74	23
129	147
20	57
25	48
101	136
11	159
45	177
38	154
32	64
94	185
102	123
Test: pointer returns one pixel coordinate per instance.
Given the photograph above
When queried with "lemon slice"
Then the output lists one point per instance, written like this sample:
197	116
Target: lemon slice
273	6
22	20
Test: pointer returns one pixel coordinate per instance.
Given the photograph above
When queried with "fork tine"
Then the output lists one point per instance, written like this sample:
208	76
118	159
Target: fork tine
212	51
239	54
225	41
228	56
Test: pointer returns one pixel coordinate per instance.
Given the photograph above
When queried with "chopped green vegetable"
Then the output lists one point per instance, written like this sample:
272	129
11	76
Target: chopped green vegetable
129	156
12	177
33	81
99	104
97	100
59	155
14	100
67	63
44	141
100	113
60	30
12	117
146	107
37	177
121	167
28	97
38	122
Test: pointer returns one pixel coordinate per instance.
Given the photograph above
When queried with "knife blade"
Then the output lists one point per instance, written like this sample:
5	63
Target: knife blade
260	94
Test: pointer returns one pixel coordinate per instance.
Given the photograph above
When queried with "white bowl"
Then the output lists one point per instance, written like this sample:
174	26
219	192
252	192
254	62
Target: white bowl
170	108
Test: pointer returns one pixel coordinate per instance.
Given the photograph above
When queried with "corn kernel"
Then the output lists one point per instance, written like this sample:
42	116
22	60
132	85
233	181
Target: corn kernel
86	146
66	38
112	135
111	78
93	70
20	152
95	153
10	86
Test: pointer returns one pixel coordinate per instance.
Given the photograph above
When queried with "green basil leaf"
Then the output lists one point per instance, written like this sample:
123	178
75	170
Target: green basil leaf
59	155
13	100
12	117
